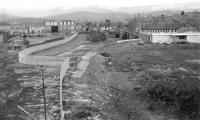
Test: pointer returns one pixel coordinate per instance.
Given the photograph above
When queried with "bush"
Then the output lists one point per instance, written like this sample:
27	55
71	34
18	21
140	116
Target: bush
96	36
179	90
125	36
26	42
124	106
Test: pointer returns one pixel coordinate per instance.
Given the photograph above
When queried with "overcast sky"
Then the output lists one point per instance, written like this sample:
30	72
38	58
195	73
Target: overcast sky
69	4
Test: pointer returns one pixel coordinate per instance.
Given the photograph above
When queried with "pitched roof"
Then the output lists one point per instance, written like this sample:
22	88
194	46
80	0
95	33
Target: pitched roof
163	26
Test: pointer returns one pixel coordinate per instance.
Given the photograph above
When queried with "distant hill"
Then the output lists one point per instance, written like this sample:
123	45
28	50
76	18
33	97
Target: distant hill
93	16
123	13
16	19
188	7
163	12
95	13
5	17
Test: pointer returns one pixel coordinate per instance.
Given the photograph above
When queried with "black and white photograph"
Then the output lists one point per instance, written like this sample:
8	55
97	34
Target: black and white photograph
100	60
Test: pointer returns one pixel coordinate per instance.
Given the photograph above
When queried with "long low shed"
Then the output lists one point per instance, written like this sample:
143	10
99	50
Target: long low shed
175	37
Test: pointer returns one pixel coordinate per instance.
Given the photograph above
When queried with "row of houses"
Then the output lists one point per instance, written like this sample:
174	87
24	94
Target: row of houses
105	26
22	28
139	21
67	26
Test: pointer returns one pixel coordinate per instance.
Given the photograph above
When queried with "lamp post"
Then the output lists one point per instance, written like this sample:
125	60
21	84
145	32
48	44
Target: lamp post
42	70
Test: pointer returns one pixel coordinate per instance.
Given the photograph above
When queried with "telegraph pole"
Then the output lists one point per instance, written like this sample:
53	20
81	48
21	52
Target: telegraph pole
45	113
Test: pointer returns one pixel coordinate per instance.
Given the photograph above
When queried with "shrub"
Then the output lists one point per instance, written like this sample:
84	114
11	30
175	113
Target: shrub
95	36
179	90
125	36
26	42
124	106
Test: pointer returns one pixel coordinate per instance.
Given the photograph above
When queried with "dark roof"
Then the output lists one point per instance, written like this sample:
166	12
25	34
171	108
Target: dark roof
173	26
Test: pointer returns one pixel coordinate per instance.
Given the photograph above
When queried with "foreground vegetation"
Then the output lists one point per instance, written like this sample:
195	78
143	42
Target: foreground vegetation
157	80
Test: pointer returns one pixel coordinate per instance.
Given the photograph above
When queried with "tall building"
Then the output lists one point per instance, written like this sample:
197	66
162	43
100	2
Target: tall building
138	22
68	26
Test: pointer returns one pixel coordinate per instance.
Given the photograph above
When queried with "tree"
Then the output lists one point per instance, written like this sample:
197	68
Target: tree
88	24
131	26
24	36
95	36
119	25
107	23
182	13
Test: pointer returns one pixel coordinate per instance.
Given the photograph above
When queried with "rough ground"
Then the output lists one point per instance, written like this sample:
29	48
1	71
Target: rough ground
106	90
131	60
24	86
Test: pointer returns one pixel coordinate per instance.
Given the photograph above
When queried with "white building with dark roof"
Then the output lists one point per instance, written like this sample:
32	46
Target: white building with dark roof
172	33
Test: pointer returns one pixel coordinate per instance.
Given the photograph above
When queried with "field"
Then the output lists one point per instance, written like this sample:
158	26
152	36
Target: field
132	63
63	48
114	88
47	37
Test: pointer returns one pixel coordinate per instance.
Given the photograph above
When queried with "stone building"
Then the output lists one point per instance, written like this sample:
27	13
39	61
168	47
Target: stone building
68	26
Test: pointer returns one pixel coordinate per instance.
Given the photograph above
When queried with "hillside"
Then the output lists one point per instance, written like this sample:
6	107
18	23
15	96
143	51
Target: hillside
93	16
16	19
